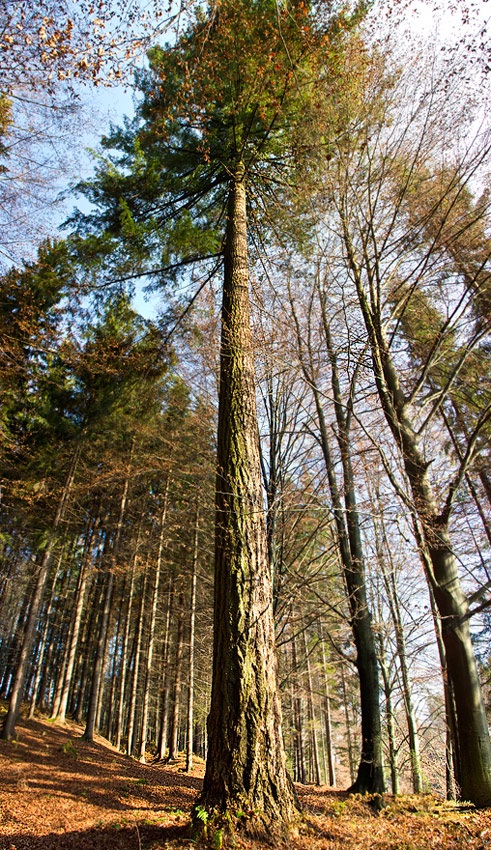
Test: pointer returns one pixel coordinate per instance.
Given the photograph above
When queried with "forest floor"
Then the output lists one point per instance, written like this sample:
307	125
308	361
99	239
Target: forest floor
58	792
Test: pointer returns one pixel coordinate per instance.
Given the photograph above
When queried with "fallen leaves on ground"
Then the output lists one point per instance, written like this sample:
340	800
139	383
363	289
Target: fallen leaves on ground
58	792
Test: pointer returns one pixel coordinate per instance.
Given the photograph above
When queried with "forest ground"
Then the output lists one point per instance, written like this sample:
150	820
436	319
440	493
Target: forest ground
58	792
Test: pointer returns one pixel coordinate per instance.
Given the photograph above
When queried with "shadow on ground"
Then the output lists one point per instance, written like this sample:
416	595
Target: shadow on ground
127	838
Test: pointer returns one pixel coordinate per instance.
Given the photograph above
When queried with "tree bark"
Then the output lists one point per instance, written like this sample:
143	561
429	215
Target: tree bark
246	763
99	659
151	635
389	716
370	777
300	772
349	742
316	771
59	710
474	745
36	689
192	619
327	717
124	652
16	693
164	693
136	671
177	683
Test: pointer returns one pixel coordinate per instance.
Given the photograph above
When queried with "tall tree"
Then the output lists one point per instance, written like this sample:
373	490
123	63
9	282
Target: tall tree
217	117
368	188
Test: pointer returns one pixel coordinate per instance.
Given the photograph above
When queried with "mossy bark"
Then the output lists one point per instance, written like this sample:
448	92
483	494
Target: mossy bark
246	767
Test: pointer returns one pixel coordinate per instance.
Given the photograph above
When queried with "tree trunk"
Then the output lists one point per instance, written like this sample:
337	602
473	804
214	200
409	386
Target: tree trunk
349	742
16	693
36	690
316	772
389	716
395	611
300	775
99	660
474	745
136	672
192	618
124	652
164	694
327	718
176	688
59	710
246	763
87	645
151	635
370	777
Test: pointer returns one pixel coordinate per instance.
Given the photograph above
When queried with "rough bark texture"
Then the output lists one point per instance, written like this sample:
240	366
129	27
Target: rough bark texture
246	765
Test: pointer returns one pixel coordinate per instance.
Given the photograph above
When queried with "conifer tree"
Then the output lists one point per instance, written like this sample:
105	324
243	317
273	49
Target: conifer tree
213	139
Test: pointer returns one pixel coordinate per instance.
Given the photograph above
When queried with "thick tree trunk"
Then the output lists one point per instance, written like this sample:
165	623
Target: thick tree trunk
246	763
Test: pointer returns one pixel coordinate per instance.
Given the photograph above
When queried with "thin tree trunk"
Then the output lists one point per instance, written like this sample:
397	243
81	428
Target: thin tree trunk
395	611
327	717
132	709
43	643
99	659
389	716
87	645
176	690
16	693
151	635
298	718
311	715
59	709
126	640
370	778
113	676
164	695
347	721
192	618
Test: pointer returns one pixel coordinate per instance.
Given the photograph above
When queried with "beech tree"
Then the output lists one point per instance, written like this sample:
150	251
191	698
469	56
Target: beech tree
371	181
